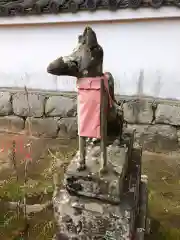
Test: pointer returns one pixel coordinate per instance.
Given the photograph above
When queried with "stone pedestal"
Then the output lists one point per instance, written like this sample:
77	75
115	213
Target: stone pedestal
92	206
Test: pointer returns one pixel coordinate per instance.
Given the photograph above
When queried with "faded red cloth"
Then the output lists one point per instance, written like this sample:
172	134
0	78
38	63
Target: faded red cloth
89	99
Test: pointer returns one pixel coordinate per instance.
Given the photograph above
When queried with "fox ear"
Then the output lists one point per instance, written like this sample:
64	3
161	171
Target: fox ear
89	37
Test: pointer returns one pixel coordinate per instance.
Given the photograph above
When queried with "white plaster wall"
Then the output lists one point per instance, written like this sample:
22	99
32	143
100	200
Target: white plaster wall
153	47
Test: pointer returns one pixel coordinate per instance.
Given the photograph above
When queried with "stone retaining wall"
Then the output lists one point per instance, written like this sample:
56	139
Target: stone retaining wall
49	116
54	115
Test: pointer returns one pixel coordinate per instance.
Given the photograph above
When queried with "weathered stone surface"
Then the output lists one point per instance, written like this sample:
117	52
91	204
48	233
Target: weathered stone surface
5	103
68	127
138	111
107	187
42	127
86	219
61	106
140	129
156	138
11	123
168	114
20	104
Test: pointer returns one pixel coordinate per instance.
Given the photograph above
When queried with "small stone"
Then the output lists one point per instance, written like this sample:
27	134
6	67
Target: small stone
21	107
96	151
11	123
139	130
95	207
42	127
138	111
168	114
160	138
61	106
61	236
68	127
5	103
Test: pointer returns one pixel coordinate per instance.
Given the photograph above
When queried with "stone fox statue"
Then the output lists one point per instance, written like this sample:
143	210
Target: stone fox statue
86	60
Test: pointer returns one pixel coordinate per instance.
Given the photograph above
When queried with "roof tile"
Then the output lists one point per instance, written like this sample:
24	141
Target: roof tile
34	7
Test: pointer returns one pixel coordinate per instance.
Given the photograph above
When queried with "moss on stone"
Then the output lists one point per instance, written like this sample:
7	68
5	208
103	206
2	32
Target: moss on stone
164	195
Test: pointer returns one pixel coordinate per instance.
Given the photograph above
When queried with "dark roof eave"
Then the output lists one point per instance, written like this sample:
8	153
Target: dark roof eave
39	7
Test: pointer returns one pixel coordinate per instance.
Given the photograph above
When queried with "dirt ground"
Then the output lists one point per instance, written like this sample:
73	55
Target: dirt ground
164	194
164	186
42	157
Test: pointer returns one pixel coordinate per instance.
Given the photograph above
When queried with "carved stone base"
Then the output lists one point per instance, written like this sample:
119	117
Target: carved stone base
84	219
91	206
90	182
